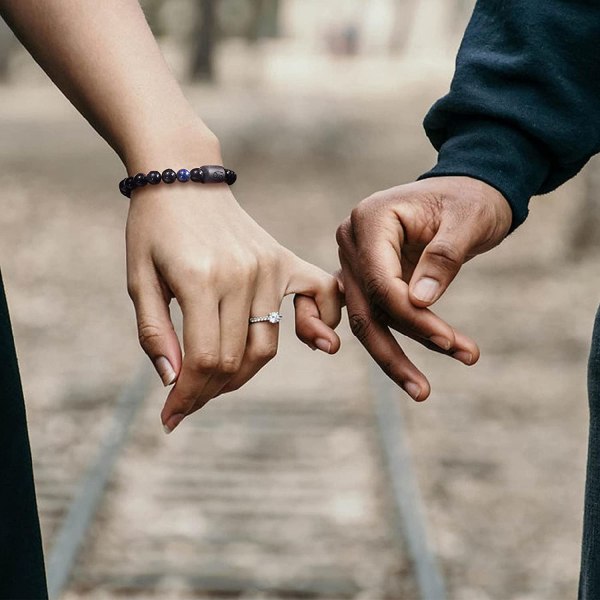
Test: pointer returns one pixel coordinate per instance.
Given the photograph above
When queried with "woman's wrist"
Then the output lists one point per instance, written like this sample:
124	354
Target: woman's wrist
184	146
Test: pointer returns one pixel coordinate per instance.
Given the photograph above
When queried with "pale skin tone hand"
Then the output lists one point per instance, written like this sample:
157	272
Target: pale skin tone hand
222	267
400	249
191	242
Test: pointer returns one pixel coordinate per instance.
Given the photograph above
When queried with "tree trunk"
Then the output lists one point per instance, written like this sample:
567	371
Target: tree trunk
204	42
268	25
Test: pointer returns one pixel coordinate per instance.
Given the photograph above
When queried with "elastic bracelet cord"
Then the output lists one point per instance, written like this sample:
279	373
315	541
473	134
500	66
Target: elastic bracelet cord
205	174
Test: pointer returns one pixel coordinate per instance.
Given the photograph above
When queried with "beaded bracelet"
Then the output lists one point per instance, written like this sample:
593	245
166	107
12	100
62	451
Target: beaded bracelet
206	174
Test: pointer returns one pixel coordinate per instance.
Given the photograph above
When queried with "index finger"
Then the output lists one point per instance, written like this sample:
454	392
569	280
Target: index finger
379	341
375	243
201	342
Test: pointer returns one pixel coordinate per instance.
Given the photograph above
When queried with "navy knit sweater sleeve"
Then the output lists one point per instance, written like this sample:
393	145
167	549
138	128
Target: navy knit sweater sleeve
523	111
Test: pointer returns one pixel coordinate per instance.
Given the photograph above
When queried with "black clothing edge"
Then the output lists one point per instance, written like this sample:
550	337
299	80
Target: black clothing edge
22	573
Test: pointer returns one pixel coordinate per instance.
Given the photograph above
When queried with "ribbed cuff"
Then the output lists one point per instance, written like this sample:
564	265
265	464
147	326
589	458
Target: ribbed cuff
494	153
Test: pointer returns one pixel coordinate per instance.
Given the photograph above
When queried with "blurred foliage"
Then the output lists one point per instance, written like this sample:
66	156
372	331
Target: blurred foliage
233	18
200	24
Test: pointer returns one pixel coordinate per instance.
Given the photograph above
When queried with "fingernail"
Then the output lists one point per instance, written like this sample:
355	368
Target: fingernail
165	370
426	289
412	389
323	345
464	357
170	425
441	342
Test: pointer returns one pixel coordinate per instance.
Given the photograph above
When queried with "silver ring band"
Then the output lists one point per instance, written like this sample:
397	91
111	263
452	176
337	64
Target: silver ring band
273	317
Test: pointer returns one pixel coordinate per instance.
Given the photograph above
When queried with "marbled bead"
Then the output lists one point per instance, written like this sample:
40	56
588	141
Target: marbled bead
140	180
183	175
169	176
129	183
123	187
197	175
153	178
214	174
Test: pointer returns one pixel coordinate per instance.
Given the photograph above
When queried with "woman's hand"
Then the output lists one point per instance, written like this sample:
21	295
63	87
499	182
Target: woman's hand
196	244
190	242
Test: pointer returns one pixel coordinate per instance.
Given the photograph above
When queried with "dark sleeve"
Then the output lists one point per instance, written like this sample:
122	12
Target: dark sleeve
523	111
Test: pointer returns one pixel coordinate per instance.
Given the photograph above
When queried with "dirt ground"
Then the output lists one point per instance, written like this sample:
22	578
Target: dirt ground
499	448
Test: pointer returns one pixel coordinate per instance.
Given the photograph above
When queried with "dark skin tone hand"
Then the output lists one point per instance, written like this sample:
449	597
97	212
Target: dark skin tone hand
399	251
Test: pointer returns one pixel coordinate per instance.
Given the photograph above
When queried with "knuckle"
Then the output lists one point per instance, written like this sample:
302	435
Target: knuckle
190	278
268	259
264	353
445	253
343	234
202	362
410	320
148	333
377	289
133	290
245	269
232	386
360	325
182	405
269	352
198	272
361	212
388	367
368	207
357	213
230	365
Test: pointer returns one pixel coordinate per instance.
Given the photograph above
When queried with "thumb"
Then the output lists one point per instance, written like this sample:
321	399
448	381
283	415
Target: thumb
155	329
439	264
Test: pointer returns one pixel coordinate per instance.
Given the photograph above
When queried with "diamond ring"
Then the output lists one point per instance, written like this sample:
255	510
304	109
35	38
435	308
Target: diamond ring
273	317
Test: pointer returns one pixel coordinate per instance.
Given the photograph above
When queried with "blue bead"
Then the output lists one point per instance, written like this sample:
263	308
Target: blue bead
183	175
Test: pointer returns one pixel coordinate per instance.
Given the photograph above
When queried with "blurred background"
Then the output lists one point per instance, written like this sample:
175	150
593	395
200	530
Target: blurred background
280	491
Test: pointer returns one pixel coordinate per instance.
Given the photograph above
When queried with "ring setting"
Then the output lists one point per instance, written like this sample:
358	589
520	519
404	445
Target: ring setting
272	317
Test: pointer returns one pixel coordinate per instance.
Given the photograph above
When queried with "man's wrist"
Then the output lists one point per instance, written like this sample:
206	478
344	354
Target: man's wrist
493	152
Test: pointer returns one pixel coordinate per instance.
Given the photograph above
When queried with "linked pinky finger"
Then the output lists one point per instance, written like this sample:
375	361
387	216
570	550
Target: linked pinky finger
310	329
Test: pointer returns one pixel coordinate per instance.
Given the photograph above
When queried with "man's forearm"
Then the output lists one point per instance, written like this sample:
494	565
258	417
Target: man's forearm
522	113
104	58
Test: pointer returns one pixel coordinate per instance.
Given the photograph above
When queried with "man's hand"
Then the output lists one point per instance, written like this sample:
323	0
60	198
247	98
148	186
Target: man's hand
400	250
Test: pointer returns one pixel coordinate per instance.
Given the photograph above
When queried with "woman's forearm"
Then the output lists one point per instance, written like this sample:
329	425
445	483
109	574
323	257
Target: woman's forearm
104	58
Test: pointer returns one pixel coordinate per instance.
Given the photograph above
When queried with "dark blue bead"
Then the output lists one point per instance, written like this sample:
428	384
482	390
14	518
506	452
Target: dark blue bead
129	183
183	175
169	176
122	187
197	175
140	180
153	178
